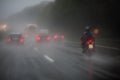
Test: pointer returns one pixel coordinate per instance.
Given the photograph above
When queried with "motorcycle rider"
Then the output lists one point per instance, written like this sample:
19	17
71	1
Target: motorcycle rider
86	35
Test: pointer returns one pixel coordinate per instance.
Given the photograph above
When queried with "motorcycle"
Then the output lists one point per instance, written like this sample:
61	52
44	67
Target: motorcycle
89	47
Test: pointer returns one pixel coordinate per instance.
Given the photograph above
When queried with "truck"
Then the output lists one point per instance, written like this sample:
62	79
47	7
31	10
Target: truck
31	30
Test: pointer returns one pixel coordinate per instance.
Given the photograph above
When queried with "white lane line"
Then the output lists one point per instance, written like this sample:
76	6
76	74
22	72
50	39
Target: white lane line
36	49
48	58
118	49
114	48
108	47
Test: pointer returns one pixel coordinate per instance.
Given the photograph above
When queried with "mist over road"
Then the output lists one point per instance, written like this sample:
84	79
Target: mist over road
55	61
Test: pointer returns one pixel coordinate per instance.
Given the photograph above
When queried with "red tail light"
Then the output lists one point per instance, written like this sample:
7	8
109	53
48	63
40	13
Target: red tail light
26	35
62	37
90	41
38	38
21	40
55	36
9	40
48	38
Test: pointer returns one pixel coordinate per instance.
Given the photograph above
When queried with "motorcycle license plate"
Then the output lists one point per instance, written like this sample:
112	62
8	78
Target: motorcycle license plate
90	46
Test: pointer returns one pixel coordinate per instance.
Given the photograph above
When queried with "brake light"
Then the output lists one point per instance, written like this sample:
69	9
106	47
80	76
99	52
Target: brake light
55	36
48	38
9	40
21	40
90	41
62	37
26	35
38	38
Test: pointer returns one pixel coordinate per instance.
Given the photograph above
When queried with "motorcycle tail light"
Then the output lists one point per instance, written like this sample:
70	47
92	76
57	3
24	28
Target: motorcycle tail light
90	41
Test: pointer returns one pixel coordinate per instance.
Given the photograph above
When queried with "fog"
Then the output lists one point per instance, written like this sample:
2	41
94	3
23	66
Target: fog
9	7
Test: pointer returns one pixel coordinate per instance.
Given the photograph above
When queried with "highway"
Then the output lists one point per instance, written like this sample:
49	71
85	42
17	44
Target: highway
57	61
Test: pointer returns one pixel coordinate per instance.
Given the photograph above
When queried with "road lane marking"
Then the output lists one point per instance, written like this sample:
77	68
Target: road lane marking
108	47
48	58
118	49
114	48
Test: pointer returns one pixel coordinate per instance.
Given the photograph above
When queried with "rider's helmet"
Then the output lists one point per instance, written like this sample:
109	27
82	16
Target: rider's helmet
87	28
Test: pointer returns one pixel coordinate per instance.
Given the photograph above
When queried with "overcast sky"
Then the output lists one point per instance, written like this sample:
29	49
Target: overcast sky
8	7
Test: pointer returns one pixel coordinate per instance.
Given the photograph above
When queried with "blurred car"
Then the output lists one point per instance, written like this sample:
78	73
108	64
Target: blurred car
43	38
15	38
57	37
